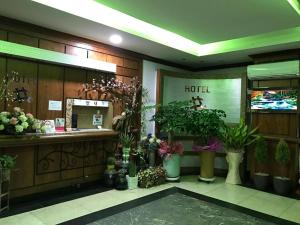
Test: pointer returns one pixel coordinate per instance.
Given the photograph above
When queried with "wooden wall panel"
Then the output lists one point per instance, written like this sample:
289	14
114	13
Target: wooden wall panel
3	35
97	56
52	46
22	175
115	59
2	75
76	51
127	72
74	79
50	87
131	64
276	124
28	79
23	39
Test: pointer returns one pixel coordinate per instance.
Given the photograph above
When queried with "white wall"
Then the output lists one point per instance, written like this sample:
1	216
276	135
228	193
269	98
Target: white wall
149	82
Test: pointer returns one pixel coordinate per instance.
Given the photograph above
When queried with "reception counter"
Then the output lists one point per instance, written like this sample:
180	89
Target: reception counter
47	162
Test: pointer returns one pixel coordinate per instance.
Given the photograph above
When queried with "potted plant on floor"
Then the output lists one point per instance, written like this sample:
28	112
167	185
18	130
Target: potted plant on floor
236	139
171	159
150	145
282	183
132	179
171	118
110	172
261	173
7	163
207	126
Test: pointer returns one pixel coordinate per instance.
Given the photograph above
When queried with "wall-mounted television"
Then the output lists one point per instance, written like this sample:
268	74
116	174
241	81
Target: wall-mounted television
274	99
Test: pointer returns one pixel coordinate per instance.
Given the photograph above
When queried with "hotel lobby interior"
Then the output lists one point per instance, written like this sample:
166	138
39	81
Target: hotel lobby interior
149	112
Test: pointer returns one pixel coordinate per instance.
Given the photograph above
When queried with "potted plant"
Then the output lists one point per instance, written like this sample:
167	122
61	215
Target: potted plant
7	163
207	126
152	176
236	139
261	173
132	178
171	118
282	183
126	141
150	145
171	159
110	172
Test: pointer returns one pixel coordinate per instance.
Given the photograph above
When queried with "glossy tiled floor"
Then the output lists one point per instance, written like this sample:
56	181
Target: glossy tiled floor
274	205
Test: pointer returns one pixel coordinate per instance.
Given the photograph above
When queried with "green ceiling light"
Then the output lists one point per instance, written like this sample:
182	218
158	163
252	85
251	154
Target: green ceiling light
285	36
99	13
295	4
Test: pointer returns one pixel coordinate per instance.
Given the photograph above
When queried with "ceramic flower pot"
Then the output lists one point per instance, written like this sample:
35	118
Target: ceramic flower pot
172	166
125	155
207	165
261	181
282	185
132	182
152	156
234	159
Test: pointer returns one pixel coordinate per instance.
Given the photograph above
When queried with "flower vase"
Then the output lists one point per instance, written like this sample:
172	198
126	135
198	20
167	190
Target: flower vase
207	165
234	159
152	156
125	155
172	166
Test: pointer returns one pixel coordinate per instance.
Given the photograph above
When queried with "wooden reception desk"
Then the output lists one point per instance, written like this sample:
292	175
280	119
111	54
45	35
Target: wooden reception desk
47	162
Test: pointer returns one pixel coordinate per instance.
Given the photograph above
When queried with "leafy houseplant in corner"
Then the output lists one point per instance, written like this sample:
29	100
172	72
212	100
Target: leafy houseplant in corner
282	183
132	178
207	126
171	159
261	173
171	118
110	172
236	139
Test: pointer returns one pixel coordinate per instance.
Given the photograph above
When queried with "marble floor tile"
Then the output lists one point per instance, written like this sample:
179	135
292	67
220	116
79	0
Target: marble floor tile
268	203
292	213
21	219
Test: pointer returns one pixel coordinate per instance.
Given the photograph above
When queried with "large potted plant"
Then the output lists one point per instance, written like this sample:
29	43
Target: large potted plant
281	182
171	119
236	138
171	159
261	171
207	126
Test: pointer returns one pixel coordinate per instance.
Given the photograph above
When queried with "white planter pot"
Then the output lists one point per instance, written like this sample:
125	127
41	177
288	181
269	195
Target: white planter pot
234	159
172	167
132	182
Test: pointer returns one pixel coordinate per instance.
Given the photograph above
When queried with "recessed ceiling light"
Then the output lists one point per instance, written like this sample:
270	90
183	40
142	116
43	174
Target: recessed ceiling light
115	39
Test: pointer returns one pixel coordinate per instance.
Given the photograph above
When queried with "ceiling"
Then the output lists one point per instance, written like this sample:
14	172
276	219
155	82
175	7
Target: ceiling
202	21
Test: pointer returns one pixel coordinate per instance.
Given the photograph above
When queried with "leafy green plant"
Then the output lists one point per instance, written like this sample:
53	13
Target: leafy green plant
126	140
282	153
237	137
261	150
132	168
171	118
205	123
111	161
7	162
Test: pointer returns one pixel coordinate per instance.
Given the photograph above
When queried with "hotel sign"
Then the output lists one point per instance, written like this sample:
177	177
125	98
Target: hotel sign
224	94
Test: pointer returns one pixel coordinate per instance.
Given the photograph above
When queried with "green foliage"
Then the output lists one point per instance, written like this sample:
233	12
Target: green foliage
172	117
151	177
205	123
282	153
111	161
132	168
237	137
126	140
7	162
261	150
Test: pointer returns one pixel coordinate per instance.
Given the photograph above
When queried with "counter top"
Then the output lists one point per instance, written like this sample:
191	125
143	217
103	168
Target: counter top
64	137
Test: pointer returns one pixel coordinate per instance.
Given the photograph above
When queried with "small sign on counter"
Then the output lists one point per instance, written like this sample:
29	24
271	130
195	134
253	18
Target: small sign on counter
55	105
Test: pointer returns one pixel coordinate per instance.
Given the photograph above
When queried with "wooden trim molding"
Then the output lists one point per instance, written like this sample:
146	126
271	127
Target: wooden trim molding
32	53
